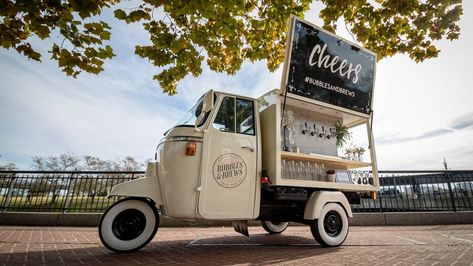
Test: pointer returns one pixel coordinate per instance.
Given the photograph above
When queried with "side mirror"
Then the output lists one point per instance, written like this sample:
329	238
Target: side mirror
207	104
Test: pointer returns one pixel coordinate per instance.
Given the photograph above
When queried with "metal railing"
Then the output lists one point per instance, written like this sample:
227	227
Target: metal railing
49	191
407	191
75	191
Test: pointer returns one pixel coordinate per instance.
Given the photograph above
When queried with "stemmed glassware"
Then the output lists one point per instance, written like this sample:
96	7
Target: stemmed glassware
302	170
360	177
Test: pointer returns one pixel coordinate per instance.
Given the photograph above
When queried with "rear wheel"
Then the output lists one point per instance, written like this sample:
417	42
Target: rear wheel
274	227
128	225
331	229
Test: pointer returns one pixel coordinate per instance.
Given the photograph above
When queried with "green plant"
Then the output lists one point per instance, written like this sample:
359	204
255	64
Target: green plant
341	133
189	36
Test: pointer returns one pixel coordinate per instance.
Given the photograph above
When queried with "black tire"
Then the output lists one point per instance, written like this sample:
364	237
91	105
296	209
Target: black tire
331	229
128	225
274	227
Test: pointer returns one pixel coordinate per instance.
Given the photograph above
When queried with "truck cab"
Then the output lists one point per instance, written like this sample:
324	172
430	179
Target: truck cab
219	176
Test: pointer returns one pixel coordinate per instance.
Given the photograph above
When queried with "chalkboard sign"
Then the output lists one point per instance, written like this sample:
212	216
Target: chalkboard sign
327	68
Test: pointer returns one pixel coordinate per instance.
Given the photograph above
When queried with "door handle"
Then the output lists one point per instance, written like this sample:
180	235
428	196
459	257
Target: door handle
249	148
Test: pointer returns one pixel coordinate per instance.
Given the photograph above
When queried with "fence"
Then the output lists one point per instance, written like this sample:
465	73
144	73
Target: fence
400	191
407	191
47	191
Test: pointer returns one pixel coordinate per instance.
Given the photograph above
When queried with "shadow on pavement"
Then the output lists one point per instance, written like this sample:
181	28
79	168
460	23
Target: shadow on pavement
257	249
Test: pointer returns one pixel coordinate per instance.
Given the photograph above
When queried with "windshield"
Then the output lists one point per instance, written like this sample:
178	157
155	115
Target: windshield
188	119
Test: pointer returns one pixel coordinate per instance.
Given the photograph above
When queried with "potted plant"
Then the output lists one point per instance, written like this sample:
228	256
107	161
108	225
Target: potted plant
342	134
358	153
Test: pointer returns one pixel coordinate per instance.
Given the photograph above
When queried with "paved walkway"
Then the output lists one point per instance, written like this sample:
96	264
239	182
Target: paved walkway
420	245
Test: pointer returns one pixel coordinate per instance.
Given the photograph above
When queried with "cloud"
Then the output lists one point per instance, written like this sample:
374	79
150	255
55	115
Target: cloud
463	122
429	134
112	115
253	80
428	153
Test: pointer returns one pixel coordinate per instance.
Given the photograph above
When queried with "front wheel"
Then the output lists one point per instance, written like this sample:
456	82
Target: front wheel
274	227
331	229
128	225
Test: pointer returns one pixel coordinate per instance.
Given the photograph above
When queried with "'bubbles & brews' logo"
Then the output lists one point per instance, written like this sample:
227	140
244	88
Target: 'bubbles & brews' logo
229	170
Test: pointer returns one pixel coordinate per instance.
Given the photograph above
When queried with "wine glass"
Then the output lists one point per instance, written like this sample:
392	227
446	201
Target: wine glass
283	169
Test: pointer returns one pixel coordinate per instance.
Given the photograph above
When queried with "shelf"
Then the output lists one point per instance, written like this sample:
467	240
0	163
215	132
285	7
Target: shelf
325	185
349	117
325	159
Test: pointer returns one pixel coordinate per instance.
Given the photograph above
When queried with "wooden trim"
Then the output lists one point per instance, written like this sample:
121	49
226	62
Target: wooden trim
325	185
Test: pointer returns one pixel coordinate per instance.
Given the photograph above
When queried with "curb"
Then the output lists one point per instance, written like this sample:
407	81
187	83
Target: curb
358	219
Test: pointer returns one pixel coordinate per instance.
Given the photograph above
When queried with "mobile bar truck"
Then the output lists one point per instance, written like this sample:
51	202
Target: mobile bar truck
272	159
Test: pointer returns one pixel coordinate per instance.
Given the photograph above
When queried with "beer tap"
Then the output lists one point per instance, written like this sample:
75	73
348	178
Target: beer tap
305	131
322	134
332	133
314	132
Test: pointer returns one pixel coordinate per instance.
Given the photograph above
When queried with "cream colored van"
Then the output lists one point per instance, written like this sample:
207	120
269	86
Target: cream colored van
276	159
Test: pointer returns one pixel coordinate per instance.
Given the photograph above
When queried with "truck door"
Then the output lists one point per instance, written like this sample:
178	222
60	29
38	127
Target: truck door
229	161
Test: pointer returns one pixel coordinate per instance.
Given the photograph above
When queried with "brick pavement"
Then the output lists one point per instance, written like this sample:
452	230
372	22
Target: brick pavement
409	245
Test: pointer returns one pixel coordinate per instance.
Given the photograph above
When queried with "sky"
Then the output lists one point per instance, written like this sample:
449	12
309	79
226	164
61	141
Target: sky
423	112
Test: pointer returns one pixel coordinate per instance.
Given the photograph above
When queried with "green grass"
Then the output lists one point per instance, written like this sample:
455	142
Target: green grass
45	204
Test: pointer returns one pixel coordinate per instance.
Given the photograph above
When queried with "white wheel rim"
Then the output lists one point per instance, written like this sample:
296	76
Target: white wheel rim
124	245
277	228
340	237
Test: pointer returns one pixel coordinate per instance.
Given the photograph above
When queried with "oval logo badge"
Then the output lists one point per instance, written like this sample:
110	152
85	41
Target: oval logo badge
229	170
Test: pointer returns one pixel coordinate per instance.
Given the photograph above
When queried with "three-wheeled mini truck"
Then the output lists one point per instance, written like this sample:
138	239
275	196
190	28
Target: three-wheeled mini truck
272	159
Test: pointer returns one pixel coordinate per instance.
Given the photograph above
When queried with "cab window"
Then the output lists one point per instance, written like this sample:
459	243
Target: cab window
236	116
244	117
225	119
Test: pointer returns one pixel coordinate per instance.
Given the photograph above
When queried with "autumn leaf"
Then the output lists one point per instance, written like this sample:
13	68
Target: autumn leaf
221	33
